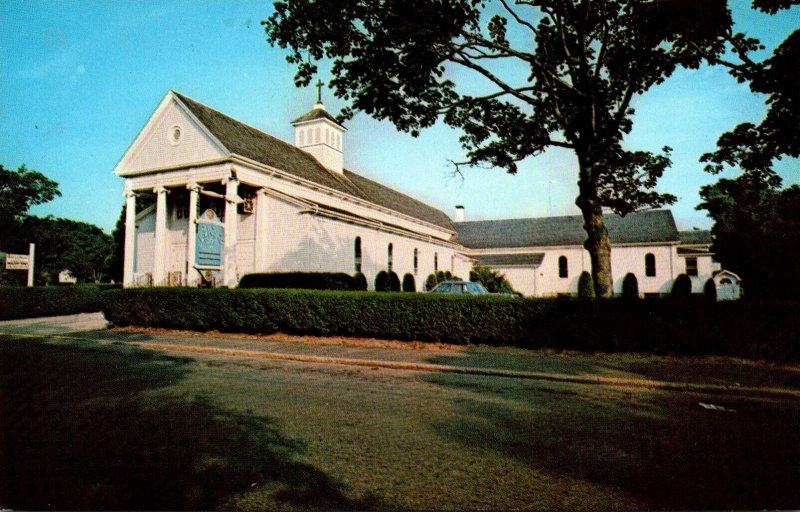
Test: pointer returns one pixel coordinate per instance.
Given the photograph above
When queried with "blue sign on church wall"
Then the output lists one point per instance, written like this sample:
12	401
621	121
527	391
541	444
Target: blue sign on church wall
208	245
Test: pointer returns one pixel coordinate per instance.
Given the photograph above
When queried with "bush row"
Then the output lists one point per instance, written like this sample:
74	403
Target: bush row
743	329
19	302
300	280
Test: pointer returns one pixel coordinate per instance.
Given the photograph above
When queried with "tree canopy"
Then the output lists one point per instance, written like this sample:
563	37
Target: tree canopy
754	147
544	73
21	189
756	233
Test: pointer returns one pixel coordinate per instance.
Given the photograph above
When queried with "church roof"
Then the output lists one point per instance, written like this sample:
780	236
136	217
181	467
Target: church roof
316	113
696	237
640	227
254	144
533	259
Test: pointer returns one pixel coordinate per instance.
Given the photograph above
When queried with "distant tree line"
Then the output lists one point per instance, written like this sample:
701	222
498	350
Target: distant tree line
61	244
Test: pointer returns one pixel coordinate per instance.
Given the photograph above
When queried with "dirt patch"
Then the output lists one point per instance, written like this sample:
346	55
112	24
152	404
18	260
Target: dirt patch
311	340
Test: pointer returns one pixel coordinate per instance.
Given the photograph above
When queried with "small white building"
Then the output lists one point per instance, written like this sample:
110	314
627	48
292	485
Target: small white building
230	199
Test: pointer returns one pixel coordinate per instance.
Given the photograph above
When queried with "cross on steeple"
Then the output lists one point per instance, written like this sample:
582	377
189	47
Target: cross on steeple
319	91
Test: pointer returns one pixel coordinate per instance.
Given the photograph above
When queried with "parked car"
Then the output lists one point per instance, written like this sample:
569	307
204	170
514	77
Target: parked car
460	287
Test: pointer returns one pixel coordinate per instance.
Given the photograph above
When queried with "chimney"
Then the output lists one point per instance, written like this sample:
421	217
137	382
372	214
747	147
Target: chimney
459	213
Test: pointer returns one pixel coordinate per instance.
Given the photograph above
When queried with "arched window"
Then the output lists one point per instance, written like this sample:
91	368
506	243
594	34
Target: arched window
436	262
649	265
563	269
358	254
327	136
416	261
389	257
302	137
317	138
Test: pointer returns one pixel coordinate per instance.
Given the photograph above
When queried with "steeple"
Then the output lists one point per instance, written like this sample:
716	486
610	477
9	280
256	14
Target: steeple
320	134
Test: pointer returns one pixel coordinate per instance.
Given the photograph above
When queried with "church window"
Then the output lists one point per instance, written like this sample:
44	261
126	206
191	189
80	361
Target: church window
649	265
436	262
416	261
563	269
691	266
327	136
317	138
358	254
302	137
389	257
338	141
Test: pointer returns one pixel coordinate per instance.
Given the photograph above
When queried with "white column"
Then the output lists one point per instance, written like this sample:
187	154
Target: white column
261	231
191	239
230	274
130	239
160	250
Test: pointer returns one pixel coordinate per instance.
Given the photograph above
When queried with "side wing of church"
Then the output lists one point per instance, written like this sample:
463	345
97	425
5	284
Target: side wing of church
227	199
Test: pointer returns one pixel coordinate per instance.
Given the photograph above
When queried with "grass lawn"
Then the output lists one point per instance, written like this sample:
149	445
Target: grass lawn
85	426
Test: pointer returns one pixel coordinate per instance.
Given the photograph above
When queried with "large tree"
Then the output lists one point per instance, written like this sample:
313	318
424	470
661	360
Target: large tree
757	233
549	73
19	190
754	147
756	223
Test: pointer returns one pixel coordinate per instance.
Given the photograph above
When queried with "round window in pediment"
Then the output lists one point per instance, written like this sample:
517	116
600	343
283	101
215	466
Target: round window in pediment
175	135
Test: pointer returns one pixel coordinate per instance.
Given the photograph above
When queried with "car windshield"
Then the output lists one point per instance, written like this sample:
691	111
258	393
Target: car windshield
475	288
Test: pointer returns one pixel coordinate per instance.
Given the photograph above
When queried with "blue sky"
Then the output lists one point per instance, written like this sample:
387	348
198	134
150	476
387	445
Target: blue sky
80	79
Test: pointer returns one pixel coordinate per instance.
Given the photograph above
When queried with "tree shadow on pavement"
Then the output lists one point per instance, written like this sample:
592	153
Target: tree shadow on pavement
662	448
77	431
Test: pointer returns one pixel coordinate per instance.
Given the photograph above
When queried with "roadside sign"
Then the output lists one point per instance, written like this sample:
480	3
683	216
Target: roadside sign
17	261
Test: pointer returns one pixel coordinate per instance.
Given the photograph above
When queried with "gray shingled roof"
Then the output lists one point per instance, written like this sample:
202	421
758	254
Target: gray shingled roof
640	227
317	113
505	260
695	237
254	144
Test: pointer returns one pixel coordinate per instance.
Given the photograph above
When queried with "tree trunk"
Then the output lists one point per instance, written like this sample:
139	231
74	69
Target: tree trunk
597	235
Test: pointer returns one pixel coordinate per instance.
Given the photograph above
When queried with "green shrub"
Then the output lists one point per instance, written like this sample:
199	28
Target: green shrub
383	283
492	280
682	287
299	280
430	282
409	285
360	282
732	328
710	290
585	286
630	287
19	302
394	282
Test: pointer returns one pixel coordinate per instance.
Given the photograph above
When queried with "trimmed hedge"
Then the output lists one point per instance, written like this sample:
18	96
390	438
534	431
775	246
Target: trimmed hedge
630	287
19	302
585	286
300	280
409	285
733	328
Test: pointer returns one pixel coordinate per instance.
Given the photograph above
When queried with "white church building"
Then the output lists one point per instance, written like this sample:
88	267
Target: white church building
232	200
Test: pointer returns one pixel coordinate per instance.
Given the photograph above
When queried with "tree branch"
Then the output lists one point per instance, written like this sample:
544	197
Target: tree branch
518	19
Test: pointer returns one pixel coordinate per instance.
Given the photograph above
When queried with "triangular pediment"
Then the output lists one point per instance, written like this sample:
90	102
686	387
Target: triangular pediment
173	137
